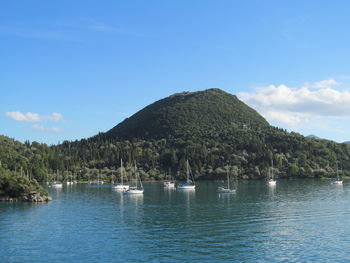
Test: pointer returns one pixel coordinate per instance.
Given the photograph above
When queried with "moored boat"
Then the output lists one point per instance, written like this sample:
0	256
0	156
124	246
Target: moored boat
189	184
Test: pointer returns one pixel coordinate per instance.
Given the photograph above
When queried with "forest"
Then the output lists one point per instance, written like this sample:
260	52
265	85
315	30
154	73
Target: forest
212	129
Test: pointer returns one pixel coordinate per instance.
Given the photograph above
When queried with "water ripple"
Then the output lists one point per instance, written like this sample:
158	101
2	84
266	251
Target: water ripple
297	221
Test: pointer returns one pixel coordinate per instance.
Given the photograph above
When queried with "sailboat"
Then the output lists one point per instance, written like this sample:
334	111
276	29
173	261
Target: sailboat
339	181
272	181
74	179
56	184
69	178
189	185
227	190
112	179
168	183
121	186
135	189
47	178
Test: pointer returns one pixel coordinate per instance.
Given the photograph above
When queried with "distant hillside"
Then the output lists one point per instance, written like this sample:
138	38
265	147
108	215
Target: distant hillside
313	137
212	129
204	113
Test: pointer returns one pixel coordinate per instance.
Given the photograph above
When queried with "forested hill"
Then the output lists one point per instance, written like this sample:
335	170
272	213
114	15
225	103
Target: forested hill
189	114
211	128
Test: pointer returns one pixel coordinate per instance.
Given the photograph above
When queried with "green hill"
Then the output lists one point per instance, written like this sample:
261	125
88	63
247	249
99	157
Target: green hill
212	129
201	114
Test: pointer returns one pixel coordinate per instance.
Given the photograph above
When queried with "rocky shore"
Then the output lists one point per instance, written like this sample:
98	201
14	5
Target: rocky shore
15	187
35	197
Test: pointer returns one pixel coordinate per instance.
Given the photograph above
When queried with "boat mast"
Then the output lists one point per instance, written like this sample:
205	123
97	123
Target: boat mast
138	176
121	170
228	181
135	175
187	172
272	169
337	172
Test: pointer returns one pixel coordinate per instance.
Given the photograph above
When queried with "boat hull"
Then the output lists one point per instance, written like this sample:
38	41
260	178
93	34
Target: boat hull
272	182
338	182
186	187
134	192
222	190
169	185
121	187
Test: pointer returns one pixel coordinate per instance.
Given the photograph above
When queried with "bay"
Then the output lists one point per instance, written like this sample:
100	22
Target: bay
296	221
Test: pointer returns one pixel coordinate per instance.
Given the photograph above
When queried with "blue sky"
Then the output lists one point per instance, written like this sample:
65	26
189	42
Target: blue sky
80	67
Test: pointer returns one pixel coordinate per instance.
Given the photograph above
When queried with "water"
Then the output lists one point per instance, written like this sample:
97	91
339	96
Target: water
296	221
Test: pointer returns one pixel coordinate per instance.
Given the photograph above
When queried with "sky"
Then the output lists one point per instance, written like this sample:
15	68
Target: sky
71	69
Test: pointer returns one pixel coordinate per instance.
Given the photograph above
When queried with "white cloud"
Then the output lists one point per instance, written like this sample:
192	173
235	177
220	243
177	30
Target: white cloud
295	106
46	129
33	117
326	83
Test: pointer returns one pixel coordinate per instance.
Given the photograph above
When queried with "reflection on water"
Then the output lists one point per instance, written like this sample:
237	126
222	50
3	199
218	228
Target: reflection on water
136	199
294	221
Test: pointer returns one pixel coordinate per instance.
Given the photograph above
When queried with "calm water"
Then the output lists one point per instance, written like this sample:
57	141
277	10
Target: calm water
296	221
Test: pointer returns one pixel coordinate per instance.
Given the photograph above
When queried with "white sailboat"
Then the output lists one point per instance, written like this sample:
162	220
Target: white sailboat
189	184
47	178
99	180
70	181
272	181
134	189
56	184
112	179
74	179
121	186
223	190
168	183
338	181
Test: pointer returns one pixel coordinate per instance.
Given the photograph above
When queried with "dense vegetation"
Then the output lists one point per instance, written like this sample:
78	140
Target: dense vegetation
211	129
14	185
204	114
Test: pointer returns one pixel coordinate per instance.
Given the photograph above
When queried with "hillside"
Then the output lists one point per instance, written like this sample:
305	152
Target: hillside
212	129
202	114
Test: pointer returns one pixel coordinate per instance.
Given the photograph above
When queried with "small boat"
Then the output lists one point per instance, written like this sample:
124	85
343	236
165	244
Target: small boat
338	181
74	179
189	184
169	183
134	189
99	180
272	181
121	186
223	190
69	179
56	185
69	182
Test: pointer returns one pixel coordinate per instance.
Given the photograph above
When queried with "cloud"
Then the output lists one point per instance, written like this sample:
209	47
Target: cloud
33	117
295	106
45	129
325	83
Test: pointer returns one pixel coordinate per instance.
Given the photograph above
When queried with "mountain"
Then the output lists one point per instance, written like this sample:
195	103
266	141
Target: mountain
212	129
311	136
201	113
